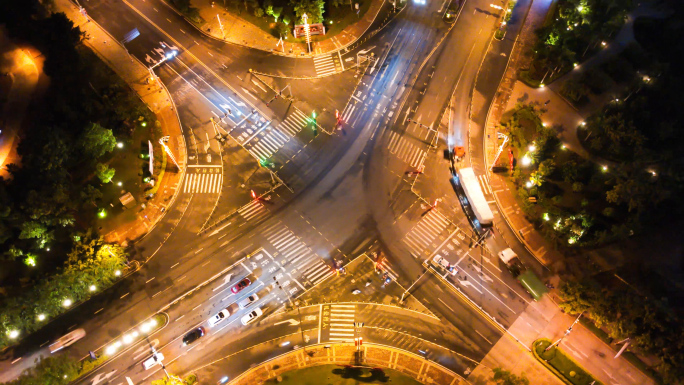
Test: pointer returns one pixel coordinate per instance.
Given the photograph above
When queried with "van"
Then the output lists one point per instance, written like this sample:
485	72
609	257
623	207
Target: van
67	340
156	359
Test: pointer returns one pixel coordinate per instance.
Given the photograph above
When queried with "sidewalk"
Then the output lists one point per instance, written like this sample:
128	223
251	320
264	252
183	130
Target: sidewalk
158	99
241	32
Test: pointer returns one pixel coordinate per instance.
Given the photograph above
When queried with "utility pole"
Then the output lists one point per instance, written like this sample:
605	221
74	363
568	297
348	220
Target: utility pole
566	333
223	33
298	312
409	288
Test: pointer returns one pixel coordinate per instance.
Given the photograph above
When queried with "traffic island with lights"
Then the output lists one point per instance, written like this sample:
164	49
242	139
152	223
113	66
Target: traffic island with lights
560	364
121	344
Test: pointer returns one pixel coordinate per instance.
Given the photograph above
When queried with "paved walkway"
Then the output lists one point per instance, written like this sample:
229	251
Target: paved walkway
158	100
242	32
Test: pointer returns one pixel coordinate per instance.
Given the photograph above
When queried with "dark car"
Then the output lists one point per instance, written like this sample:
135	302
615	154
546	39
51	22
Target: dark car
241	285
193	336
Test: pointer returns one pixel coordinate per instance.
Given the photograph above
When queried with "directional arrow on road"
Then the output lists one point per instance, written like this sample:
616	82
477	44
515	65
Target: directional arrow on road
100	377
292	322
226	279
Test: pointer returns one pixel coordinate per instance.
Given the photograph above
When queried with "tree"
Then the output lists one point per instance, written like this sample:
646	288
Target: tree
96	141
274	11
104	172
54	370
313	9
504	377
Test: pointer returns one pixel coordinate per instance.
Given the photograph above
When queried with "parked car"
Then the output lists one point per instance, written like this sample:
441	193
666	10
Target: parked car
219	317
251	316
67	340
240	285
248	301
193	336
156	359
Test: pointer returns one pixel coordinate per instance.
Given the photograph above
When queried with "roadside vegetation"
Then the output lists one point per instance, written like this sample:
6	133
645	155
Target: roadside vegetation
561	364
278	17
50	206
630	186
573	31
570	199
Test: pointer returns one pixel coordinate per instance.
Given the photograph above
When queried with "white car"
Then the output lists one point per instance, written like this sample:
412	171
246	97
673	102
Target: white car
219	317
251	316
156	359
67	340
248	301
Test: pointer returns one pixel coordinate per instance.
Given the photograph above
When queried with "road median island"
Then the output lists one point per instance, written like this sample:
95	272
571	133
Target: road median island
345	354
561	364
126	340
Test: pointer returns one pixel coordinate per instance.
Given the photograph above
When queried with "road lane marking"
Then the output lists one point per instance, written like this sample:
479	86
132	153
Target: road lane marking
124	295
175	265
13	362
151	279
444	303
485	338
180	317
247	268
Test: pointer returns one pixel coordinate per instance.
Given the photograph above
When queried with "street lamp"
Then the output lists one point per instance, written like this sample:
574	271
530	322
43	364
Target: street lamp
13	334
67	302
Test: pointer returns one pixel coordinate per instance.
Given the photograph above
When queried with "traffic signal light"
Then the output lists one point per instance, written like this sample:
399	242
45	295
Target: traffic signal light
315	125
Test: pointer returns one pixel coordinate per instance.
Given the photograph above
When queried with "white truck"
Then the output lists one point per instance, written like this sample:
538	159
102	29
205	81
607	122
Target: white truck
472	190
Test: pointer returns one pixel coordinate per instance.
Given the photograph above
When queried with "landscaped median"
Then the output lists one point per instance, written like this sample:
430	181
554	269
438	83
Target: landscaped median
561	364
120	344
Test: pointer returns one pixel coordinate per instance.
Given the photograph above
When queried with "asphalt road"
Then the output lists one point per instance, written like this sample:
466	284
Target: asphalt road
327	199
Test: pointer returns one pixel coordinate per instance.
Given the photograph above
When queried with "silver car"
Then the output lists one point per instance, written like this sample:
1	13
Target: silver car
248	301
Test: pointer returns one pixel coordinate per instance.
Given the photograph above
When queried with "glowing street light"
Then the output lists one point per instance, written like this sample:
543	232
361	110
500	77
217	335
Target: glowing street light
117	273
604	168
528	184
526	161
119	145
532	147
580	8
13	334
67	302
111	349
41	317
92	288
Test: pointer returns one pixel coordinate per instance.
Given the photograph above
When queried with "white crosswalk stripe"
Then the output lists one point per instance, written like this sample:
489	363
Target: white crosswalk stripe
253	210
406	151
425	231
294	253
203	183
342	322
483	182
324	65
273	139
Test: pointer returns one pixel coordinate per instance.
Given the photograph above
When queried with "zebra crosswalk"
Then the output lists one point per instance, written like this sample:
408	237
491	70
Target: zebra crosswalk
342	322
406	151
294	253
208	183
324	65
425	231
253	210
273	139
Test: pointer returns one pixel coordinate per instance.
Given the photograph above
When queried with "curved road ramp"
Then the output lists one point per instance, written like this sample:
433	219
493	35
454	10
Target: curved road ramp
373	355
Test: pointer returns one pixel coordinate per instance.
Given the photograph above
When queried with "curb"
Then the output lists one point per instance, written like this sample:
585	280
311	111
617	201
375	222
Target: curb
272	51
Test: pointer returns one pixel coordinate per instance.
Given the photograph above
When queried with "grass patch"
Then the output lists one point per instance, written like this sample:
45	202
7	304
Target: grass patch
525	76
561	364
499	34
